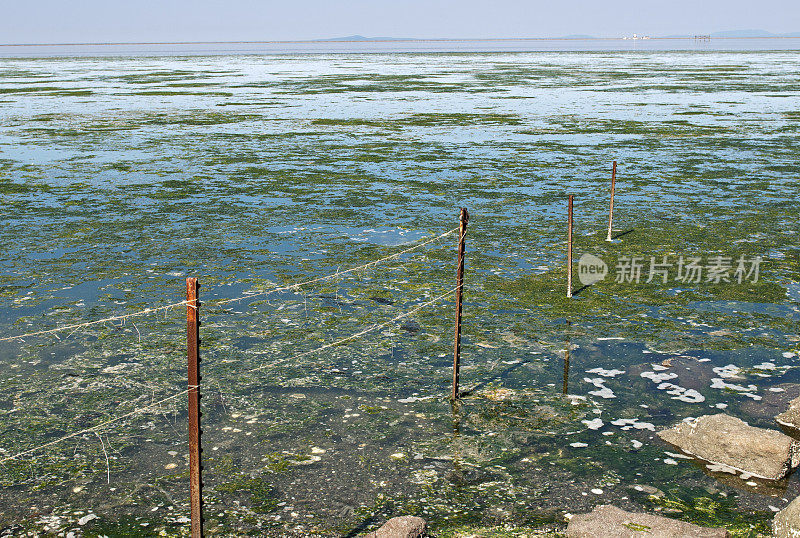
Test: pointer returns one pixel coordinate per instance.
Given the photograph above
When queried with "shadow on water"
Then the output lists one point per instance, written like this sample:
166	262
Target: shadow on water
579	290
621	234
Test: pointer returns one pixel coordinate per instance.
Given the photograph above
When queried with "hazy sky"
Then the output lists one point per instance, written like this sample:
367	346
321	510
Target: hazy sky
52	21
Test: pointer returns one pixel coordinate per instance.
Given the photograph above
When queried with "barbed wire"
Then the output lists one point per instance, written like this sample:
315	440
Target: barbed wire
355	335
337	274
142	409
97	426
123	317
77	326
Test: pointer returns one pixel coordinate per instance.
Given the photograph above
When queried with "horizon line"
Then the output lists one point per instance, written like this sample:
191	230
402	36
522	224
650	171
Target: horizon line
387	40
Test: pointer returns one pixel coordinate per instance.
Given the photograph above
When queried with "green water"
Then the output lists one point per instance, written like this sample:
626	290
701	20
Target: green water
119	177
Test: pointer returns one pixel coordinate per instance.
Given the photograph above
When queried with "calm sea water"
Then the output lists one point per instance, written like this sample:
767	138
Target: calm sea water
122	175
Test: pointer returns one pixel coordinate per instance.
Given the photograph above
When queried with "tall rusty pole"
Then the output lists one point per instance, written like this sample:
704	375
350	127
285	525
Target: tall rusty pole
459	296
611	207
193	356
569	247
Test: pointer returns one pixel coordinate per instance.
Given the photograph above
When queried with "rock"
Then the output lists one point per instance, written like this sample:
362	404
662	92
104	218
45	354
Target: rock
400	527
612	522
791	417
787	522
723	439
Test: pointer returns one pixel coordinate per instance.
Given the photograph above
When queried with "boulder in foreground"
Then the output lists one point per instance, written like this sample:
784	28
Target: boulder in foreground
400	527
787	522
612	522
726	440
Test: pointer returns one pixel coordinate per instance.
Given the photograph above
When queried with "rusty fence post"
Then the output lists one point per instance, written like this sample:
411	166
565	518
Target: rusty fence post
569	247
459	296
195	446
611	207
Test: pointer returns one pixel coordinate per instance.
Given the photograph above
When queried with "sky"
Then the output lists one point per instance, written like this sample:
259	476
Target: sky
58	21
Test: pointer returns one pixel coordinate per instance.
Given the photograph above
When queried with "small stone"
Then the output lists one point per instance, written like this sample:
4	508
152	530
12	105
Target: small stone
400	527
612	522
86	519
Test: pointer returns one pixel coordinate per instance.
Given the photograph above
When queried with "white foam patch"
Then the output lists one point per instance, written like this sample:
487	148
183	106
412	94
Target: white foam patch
721	468
679	456
627	423
605	373
788	354
717	383
658	378
594	424
683	394
578	445
727	372
603	391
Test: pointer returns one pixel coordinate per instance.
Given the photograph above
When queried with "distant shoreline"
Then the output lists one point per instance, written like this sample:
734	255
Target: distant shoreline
398	40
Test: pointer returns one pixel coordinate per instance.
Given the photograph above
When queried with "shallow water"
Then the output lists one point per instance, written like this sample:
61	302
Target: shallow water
121	176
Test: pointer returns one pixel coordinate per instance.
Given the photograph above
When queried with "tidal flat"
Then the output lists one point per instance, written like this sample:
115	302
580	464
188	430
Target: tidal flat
122	176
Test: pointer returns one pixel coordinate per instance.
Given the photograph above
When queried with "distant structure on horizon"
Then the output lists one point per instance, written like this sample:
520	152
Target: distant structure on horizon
636	36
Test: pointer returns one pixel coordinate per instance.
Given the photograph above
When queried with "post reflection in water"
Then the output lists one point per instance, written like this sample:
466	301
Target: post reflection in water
565	389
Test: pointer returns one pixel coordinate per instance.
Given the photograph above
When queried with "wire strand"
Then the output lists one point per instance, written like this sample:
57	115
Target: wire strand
97	426
123	317
336	274
356	335
96	322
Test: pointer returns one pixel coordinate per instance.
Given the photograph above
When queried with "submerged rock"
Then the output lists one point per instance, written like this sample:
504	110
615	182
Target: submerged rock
791	417
612	522
787	522
400	527
723	439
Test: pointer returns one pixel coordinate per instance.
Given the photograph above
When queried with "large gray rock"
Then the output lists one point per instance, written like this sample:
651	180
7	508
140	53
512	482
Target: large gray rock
790	417
787	522
612	522
400	527
726	440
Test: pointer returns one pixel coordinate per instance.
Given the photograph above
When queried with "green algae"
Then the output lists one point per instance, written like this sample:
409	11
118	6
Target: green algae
248	200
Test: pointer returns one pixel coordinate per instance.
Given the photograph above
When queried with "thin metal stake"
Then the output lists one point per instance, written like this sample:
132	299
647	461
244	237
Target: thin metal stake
611	207
459	296
195	447
569	248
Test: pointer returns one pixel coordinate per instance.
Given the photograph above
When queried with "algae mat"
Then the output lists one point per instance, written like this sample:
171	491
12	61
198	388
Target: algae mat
119	177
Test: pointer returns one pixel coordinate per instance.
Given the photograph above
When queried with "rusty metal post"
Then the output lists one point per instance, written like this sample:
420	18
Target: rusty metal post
569	247
611	207
195	447
459	296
